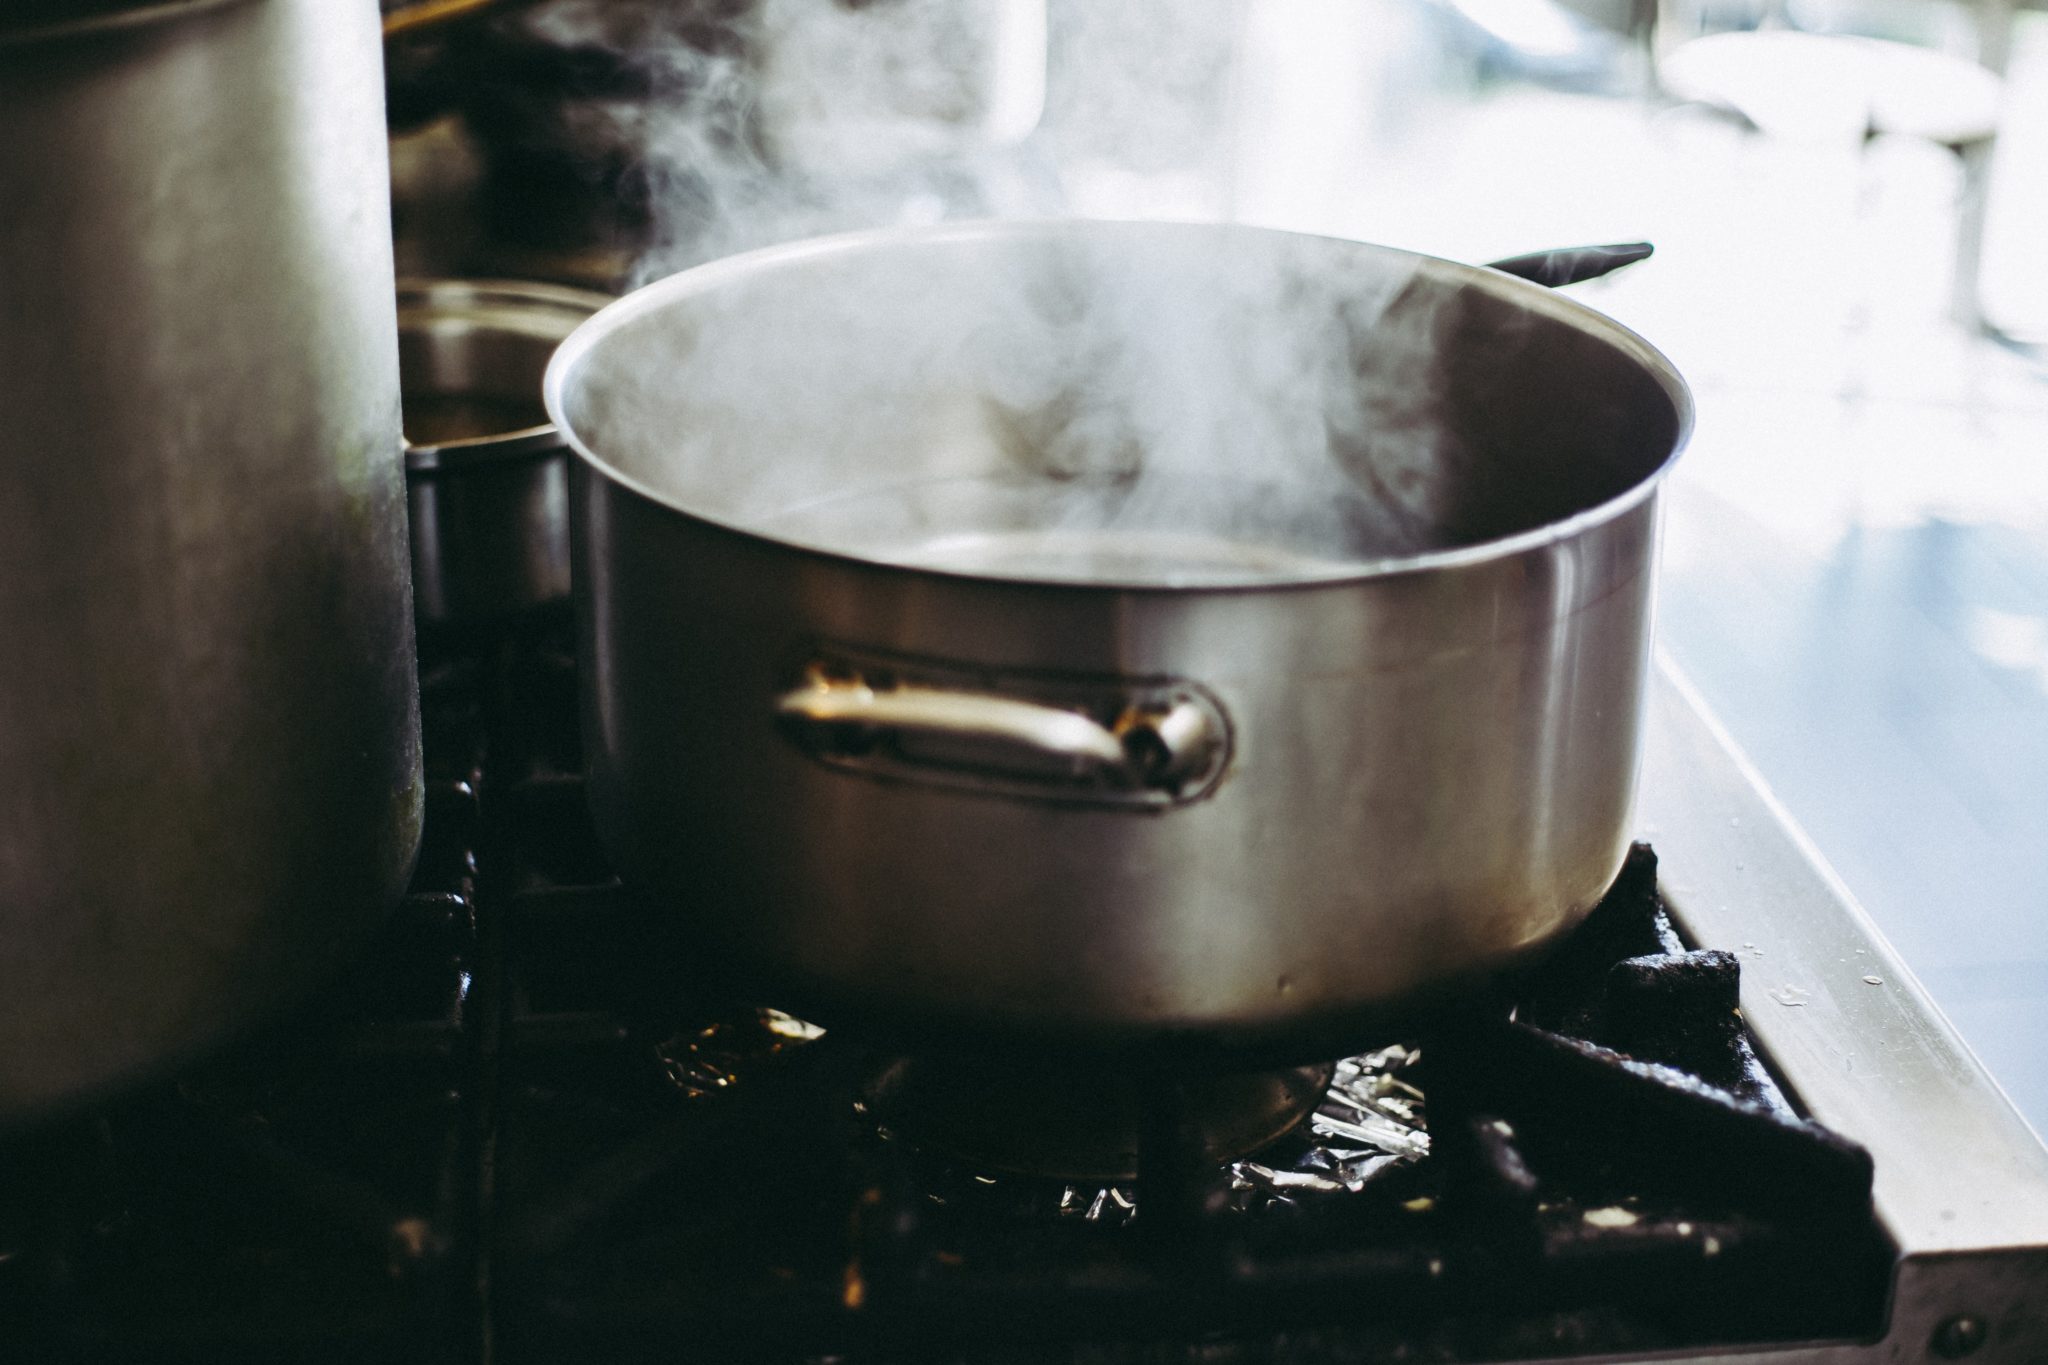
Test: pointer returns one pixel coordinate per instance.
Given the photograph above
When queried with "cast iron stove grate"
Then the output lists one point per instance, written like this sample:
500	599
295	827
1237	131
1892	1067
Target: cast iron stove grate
503	1137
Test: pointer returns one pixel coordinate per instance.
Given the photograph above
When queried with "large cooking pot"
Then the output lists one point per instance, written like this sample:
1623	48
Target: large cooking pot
209	755
1114	634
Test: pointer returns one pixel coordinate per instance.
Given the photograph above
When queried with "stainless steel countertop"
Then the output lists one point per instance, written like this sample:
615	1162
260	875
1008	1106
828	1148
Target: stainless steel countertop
1961	1180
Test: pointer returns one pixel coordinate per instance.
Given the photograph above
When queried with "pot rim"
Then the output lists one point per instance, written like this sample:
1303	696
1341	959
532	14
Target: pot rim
714	274
546	312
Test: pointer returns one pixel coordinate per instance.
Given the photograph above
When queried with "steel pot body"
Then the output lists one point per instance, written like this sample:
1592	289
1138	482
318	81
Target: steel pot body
209	765
486	473
916	757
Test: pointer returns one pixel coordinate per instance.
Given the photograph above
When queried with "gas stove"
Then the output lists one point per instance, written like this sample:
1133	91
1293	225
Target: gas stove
1722	1124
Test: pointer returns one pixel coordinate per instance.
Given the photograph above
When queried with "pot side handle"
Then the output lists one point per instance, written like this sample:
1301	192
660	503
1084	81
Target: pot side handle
1152	753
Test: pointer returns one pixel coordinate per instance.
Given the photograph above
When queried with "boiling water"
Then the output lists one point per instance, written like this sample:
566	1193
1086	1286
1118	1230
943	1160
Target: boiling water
1092	531
1162	557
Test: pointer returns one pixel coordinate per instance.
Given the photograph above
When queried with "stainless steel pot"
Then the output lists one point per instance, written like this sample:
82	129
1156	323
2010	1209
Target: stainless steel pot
486	476
928	677
209	761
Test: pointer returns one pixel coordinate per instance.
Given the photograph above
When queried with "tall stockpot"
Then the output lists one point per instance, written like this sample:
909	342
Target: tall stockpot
1172	638
209	762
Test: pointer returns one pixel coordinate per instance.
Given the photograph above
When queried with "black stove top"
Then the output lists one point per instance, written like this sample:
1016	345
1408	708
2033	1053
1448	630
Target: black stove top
506	1136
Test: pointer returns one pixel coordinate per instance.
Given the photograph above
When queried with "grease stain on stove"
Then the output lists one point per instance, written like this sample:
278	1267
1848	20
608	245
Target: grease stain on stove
1790	995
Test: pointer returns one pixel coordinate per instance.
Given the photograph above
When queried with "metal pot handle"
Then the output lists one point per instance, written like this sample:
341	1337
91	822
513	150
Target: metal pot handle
1572	264
1158	750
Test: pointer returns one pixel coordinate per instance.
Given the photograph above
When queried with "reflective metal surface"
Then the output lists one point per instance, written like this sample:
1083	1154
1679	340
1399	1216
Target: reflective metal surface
209	754
1167	746
36	21
1432	755
1962	1182
485	475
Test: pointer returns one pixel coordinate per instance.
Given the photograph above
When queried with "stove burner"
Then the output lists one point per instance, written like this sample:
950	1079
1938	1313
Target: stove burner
510	1137
1075	1125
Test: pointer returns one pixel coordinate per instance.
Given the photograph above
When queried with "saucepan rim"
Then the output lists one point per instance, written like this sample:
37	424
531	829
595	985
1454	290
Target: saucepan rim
712	275
542	312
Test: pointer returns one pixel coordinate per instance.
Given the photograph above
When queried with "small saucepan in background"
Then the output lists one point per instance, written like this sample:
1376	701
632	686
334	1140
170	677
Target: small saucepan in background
484	467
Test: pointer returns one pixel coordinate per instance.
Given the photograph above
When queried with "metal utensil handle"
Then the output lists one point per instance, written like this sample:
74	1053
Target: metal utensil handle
414	15
1572	264
1145	748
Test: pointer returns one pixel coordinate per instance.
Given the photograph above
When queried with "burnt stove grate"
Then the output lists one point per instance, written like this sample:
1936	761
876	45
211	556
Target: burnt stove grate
506	1136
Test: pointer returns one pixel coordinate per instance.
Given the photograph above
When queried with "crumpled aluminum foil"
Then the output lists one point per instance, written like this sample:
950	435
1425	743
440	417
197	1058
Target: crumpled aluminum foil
1370	1121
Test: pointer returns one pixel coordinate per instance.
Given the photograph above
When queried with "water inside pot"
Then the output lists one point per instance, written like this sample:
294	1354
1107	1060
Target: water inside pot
1093	531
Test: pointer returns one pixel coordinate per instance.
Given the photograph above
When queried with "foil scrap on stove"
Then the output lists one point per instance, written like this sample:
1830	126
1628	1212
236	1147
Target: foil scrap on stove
717	1055
1369	1121
1368	1102
1110	1205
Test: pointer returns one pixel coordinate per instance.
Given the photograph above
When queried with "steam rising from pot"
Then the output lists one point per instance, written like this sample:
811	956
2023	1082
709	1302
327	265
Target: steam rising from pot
759	121
1155	403
1202	408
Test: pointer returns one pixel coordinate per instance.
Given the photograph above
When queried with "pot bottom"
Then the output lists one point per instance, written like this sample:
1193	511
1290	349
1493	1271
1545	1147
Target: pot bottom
1190	1050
